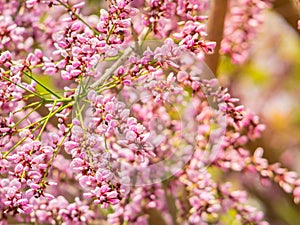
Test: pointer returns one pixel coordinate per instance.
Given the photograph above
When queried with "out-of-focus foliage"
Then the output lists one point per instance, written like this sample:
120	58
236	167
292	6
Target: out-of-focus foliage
269	84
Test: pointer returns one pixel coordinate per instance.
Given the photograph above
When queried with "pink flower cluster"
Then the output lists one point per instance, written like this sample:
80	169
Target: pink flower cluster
241	27
10	93
192	34
59	209
82	46
96	123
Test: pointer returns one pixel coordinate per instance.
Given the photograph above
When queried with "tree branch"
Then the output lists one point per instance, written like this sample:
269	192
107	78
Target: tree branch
215	30
288	10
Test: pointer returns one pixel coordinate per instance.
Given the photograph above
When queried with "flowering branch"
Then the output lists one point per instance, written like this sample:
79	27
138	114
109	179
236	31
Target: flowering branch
137	128
73	13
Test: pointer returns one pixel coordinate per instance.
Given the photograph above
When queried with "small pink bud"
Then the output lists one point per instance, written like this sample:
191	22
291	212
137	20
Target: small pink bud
79	5
182	76
131	135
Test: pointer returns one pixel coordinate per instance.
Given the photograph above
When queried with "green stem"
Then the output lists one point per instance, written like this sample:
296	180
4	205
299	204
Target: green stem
79	110
31	67
33	110
144	38
106	88
47	93
42	85
33	93
21	4
78	17
111	30
113	58
18	143
79	113
105	143
56	151
104	85
46	121
45	117
26	107
109	33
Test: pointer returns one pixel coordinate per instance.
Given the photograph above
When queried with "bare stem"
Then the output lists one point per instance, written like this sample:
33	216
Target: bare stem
42	85
288	10
215	30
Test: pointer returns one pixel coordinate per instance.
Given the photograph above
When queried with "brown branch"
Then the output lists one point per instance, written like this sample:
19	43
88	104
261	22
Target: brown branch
215	30
288	10
155	217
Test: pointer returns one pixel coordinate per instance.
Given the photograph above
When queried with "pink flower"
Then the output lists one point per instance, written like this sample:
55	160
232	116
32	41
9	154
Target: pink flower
182	76
296	194
131	135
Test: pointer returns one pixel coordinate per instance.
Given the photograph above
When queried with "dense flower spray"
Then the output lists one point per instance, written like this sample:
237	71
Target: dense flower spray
123	126
241	26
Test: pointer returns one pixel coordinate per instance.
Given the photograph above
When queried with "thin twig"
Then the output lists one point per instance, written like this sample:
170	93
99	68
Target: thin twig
78	17
118	63
42	85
